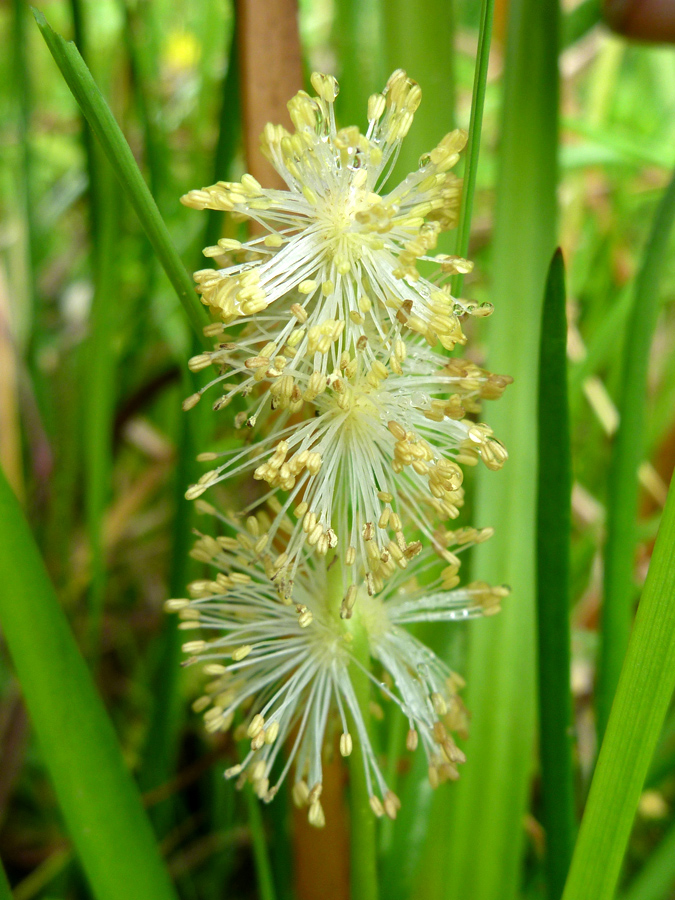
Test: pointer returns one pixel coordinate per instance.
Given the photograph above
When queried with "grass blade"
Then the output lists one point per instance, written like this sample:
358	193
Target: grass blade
553	552
473	144
163	731
263	868
655	880
357	35
622	505
642	698
23	100
423	45
99	397
229	134
5	890
100	118
484	851
162	739
363	824
99	801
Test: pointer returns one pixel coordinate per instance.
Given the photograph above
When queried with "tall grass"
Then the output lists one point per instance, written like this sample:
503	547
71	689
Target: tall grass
484	852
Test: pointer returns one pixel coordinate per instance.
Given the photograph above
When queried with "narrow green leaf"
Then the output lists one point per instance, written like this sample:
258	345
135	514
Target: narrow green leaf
401	862
601	347
99	397
473	144
485	840
5	890
99	801
163	731
164	727
553	551
363	824
98	114
357	34
622	505
92	158
98	359
143	74
25	310
579	20
642	698
423	45
263	869
656	878
229	134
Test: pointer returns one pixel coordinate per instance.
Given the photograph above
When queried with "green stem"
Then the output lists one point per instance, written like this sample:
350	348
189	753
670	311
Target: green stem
261	857
482	855
553	551
5	890
99	398
363	838
655	879
99	801
229	134
423	45
622	504
475	128
363	824
98	114
635	723
24	100
165	721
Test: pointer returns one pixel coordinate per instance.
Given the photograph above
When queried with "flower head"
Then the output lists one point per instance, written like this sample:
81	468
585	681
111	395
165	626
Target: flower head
343	251
371	446
356	431
284	662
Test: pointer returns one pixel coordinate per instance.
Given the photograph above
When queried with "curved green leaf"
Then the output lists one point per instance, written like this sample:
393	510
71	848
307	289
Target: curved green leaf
97	796
103	124
642	697
553	552
622	506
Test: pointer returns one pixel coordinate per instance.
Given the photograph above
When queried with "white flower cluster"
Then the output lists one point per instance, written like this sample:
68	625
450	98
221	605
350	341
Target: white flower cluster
356	429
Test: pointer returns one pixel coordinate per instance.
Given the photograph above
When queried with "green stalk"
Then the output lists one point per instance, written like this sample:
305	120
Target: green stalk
363	874
656	878
357	35
229	134
92	162
142	75
485	840
99	396
5	890
164	728
579	21
422	43
600	348
622	504
23	95
553	553
98	799
473	144
99	358
261	858
98	114
163	731
363	824
642	698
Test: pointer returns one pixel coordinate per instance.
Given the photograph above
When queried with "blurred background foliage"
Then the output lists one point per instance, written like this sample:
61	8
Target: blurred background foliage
93	346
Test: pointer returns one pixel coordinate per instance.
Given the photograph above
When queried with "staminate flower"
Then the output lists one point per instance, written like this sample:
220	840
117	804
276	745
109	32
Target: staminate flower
336	253
284	664
360	452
